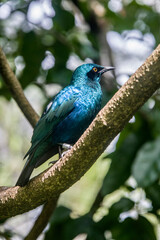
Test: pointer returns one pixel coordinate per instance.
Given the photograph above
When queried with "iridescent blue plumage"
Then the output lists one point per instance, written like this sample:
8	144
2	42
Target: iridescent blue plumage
66	117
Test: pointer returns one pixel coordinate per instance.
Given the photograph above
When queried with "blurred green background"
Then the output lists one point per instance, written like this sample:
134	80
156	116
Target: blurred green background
44	41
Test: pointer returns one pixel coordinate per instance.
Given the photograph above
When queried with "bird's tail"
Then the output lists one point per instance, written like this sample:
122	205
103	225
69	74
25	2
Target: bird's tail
25	174
33	162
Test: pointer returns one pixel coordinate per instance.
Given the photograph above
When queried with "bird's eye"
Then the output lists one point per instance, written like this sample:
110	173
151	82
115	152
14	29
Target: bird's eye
95	69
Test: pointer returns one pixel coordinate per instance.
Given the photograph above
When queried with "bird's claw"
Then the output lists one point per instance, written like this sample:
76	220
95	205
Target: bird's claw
64	153
52	162
64	146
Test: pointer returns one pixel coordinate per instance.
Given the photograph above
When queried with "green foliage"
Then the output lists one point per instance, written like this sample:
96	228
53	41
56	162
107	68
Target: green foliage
64	227
131	139
146	168
30	48
122	158
6	235
138	229
153	193
141	16
63	20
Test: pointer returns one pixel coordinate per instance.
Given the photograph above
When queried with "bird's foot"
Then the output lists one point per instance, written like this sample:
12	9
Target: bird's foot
62	155
52	162
64	146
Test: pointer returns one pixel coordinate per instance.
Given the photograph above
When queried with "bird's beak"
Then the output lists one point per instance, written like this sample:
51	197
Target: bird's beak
106	69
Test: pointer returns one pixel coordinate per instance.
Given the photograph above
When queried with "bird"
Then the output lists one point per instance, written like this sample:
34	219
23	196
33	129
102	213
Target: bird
65	118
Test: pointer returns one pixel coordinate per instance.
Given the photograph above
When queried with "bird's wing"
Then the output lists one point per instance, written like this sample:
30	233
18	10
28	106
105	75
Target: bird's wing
55	112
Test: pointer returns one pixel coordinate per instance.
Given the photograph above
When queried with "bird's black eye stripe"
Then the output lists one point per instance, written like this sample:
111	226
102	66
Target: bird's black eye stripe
92	72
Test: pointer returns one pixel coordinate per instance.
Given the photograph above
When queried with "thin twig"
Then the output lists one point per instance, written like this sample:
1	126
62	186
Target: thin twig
42	220
16	90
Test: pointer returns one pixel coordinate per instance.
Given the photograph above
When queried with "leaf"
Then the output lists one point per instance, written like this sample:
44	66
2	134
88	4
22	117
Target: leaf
60	214
4	91
55	75
132	13
120	166
146	167
63	20
110	220
153	118
129	229
64	227
7	234
33	53
60	217
59	73
61	52
126	149
132	229
153	193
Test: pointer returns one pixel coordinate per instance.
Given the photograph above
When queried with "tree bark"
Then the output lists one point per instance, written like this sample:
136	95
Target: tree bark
107	124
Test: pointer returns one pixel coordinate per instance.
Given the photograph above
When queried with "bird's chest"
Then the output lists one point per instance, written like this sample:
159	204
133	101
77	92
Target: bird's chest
89	103
85	109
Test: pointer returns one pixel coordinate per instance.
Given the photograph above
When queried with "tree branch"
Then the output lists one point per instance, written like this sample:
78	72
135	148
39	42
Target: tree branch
42	220
108	123
17	93
16	90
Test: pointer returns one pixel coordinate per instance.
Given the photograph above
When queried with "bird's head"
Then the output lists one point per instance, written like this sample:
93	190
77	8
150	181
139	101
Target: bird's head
89	74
